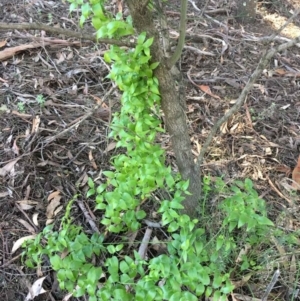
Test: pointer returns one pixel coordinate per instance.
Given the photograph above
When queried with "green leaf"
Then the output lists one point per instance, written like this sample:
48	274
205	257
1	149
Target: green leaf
79	292
55	262
154	65
101	188
109	174
176	296
101	206
98	12
217	281
93	298
124	267
141	38
70	275
91	183
111	249
204	277
148	43
94	274
176	205
173	226
90	192
220	241
140	214
82	20
187	296
85	9
73	6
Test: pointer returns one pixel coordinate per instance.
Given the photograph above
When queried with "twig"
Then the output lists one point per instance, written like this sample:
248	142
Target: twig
201	52
145	242
271	285
278	192
87	216
5	264
182	29
66	32
152	224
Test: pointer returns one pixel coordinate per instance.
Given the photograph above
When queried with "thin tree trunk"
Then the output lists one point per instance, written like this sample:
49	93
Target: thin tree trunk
175	117
246	10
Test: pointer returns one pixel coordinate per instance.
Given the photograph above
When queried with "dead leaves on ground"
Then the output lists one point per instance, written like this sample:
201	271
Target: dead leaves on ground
54	206
36	289
12	51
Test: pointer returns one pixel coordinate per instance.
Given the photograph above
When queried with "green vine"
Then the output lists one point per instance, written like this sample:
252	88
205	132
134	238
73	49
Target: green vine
197	260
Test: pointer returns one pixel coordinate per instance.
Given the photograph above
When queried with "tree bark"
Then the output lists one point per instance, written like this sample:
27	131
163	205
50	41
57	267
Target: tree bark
246	10
175	117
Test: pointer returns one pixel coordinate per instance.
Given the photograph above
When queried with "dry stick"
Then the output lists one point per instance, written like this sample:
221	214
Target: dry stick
145	242
259	69
7	263
66	32
271	285
87	216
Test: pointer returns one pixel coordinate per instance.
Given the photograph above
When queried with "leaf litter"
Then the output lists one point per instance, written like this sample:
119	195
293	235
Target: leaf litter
41	170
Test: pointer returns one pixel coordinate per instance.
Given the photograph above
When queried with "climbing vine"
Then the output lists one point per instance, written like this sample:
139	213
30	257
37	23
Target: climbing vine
196	262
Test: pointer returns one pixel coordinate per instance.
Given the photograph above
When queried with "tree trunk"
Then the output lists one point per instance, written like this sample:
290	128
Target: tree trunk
175	117
246	10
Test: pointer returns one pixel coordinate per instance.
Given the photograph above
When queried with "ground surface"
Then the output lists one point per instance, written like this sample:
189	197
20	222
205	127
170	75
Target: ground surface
260	141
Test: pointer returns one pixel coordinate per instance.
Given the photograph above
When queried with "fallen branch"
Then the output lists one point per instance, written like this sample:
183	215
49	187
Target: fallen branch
66	32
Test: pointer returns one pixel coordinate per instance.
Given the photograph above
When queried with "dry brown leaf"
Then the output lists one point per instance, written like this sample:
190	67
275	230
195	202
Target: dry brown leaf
36	289
9	167
92	160
280	71
234	127
268	151
296	175
28	202
53	195
26	207
26	225
110	147
224	128
61	57
58	209
54	203
98	100
35	218
82	180
206	89
158	245
49	221
244	251
20	241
